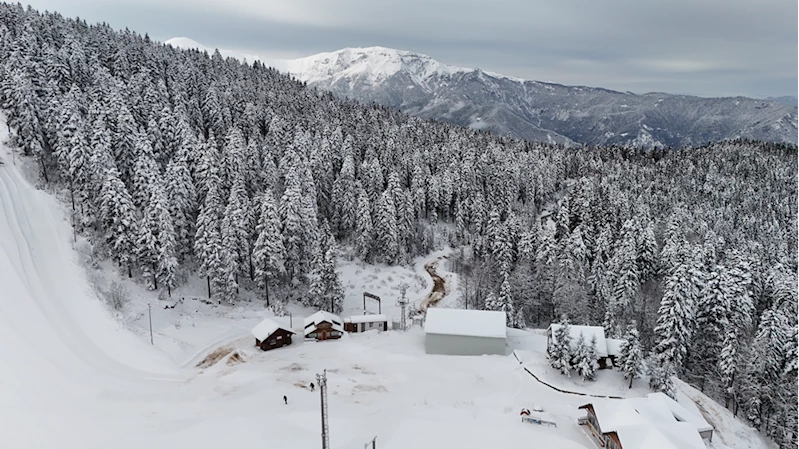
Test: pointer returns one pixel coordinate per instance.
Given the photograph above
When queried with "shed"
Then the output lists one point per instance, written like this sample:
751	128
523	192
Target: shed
464	332
606	348
363	323
323	325
270	335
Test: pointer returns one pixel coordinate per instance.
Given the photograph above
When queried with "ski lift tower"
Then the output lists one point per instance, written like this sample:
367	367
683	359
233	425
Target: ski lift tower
402	302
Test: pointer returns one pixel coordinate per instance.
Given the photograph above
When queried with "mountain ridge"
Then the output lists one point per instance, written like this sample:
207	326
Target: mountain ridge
535	110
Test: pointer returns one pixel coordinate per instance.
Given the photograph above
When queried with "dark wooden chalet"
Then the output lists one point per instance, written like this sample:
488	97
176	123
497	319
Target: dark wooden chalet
270	335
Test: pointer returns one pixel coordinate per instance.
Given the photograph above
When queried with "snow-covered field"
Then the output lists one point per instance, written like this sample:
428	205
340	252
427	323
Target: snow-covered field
75	375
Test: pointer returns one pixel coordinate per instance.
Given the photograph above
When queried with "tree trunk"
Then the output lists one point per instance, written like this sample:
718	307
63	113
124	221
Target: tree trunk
631	382
208	279
155	278
266	286
44	169
252	269
169	290
130	271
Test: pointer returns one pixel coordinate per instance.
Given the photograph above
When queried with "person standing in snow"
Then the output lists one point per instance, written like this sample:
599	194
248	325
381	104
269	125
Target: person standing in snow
311	386
286	400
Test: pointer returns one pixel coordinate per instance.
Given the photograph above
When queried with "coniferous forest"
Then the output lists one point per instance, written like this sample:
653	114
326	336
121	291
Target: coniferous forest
177	161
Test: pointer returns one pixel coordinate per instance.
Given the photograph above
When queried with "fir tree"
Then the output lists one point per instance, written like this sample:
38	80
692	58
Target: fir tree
268	252
586	358
363	228
560	351
674	317
630	359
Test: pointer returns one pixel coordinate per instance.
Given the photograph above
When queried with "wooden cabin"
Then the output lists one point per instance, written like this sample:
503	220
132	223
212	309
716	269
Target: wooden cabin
363	323
645	423
323	325
270	335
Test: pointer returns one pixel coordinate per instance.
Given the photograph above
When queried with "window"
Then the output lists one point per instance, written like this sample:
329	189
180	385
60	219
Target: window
279	337
312	335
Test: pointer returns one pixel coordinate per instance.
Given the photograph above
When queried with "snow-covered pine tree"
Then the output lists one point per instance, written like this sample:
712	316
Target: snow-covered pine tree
712	310
182	200
363	228
118	217
673	330
660	373
631	357
326	292
505	302
585	359
385	229
145	170
235	239
560	351
268	251
208	240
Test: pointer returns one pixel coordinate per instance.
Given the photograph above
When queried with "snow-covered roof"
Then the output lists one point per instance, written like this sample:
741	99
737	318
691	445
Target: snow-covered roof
645	423
266	328
614	346
474	323
319	317
682	413
366	319
588	332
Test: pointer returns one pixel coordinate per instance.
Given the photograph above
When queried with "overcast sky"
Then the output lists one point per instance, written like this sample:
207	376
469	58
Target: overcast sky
697	47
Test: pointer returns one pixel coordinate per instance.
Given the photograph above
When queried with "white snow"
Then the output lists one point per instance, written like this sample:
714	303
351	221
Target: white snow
366	319
266	328
475	323
588	332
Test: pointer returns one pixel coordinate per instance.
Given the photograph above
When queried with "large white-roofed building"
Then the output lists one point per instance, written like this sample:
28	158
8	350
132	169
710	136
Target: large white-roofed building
464	332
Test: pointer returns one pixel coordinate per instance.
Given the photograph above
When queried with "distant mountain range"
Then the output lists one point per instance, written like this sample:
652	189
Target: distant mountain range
422	86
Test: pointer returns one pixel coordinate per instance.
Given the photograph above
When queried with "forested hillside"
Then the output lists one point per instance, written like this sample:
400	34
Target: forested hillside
178	162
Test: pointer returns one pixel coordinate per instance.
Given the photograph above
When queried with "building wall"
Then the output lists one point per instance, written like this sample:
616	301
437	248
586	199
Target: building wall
463	345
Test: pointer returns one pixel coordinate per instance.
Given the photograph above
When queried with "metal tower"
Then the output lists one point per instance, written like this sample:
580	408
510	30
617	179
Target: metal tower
321	379
402	302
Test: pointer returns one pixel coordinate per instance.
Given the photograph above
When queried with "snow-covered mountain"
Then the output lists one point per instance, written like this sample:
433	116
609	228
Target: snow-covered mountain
420	85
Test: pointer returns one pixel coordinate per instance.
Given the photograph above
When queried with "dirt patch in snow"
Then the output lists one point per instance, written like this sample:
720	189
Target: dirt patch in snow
377	388
214	357
294	367
235	359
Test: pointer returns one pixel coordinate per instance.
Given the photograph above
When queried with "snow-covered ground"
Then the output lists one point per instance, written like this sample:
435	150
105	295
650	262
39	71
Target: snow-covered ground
75	375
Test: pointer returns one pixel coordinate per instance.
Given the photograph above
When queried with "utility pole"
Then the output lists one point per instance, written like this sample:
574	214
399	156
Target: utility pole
150	316
403	302
321	380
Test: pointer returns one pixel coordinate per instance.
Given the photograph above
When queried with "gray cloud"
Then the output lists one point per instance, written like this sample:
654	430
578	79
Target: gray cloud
699	47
